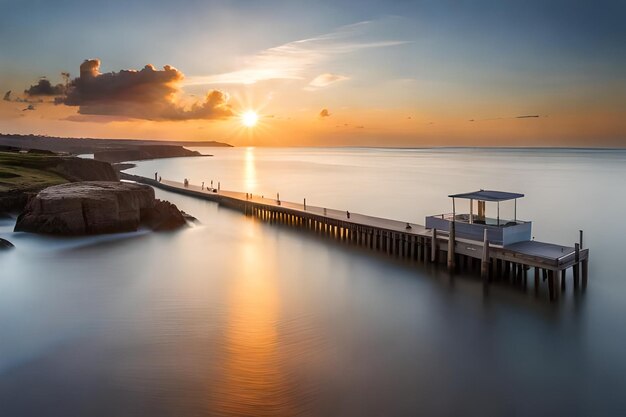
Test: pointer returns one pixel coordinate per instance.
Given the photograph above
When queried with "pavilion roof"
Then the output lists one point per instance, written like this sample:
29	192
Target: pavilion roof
488	195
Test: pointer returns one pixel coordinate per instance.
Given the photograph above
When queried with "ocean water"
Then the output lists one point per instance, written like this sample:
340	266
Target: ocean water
235	317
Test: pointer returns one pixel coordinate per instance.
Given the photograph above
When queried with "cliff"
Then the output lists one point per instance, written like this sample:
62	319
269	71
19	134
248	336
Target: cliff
23	175
143	152
77	169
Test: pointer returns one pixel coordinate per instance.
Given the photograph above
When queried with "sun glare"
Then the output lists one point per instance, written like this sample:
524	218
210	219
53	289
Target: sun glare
249	118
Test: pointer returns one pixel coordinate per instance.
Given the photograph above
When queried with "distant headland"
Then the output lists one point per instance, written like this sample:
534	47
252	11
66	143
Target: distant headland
93	145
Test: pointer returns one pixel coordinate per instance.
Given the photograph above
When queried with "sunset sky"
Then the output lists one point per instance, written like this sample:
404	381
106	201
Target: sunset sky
372	73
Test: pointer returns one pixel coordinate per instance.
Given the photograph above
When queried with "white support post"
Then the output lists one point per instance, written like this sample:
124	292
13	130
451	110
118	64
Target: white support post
498	213
453	210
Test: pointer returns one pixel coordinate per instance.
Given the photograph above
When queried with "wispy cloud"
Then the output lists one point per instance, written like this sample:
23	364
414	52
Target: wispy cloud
294	59
326	79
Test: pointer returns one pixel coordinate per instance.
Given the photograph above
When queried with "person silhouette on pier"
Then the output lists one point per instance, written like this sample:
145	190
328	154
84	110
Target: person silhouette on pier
203	185
155	175
347	214
159	178
408	226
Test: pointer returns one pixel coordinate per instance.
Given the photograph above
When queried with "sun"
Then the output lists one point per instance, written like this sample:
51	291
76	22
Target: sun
249	118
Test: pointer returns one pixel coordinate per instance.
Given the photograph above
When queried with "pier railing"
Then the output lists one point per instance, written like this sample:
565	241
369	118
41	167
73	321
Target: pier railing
500	235
435	243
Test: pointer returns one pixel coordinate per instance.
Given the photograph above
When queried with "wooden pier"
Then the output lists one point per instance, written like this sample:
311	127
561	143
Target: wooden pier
549	262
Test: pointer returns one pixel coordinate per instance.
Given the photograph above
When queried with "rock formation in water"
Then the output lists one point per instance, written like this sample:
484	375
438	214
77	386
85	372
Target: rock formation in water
95	207
5	244
163	216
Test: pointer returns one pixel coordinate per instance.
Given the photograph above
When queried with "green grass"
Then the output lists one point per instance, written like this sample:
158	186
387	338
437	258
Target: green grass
27	171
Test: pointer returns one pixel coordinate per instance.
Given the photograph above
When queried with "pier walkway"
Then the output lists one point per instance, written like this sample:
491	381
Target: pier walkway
550	261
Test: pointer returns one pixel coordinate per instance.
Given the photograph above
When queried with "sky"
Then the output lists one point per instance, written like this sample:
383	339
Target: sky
404	73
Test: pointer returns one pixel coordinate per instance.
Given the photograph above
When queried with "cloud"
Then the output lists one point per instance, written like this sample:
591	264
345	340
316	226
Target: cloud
7	97
326	79
292	60
45	88
324	113
30	107
525	116
149	93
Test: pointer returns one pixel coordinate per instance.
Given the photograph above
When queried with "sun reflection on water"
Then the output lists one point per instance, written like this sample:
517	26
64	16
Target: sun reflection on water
253	382
250	170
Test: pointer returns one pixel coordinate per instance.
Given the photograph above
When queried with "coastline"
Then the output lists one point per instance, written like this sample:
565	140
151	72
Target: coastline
25	175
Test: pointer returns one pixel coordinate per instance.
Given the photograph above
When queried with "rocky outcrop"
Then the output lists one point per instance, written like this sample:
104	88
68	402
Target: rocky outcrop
13	200
5	244
188	217
86	208
163	216
78	169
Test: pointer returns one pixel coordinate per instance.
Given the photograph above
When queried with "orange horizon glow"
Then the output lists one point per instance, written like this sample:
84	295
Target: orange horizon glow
336	81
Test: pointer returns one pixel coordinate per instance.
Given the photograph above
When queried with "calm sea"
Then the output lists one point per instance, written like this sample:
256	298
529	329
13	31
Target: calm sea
235	317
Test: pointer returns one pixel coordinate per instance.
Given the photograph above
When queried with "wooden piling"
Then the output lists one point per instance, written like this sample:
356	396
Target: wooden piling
580	239
433	246
551	285
484	265
536	280
576	267
451	241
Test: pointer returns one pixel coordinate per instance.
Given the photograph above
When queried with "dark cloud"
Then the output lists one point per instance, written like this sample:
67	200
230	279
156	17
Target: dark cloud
525	116
324	113
145	94
45	88
7	97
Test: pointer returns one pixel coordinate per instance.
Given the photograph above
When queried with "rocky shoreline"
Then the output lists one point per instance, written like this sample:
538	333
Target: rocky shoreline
70	196
95	207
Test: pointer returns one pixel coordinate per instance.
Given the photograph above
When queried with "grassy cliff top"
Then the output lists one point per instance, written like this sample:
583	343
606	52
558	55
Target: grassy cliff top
27	171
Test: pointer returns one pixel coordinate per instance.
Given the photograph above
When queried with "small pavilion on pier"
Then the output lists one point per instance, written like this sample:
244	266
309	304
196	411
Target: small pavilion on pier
472	225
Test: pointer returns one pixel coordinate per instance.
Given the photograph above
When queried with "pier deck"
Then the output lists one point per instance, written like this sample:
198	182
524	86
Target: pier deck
393	236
